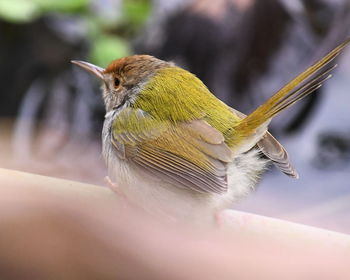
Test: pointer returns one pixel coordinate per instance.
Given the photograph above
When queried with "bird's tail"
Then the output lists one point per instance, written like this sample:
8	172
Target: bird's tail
301	86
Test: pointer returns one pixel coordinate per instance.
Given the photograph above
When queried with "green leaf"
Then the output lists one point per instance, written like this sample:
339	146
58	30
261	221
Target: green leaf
136	11
62	5
107	48
18	11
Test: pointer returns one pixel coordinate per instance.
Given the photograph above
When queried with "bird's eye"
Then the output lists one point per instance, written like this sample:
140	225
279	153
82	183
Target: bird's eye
116	82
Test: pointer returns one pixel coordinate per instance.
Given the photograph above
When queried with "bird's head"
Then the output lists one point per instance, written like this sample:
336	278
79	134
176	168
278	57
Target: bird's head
123	79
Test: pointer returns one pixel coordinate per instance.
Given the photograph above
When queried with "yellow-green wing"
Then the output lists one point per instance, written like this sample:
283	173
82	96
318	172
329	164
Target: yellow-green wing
189	154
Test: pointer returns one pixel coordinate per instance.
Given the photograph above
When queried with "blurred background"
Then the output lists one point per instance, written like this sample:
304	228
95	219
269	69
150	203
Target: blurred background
51	113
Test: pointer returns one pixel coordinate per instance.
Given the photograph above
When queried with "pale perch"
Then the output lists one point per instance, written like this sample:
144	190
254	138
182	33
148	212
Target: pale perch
50	226
234	219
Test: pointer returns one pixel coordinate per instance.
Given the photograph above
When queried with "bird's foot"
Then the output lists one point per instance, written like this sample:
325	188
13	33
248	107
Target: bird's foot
114	187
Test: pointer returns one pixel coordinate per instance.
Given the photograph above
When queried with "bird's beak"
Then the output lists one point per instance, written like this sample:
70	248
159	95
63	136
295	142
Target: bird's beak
98	71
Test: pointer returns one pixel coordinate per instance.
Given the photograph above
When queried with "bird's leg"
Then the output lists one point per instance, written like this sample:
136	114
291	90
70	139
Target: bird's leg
113	186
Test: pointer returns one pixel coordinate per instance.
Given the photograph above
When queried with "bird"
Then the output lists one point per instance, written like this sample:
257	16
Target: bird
172	147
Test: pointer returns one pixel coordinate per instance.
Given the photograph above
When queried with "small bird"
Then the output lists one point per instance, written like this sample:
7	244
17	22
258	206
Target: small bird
171	146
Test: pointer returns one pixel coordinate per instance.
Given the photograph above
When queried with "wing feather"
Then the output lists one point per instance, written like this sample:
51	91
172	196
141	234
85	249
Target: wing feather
274	150
190	155
185	172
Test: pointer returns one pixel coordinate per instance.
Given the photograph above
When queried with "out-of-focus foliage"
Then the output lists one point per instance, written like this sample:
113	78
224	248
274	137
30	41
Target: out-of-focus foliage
22	11
18	11
106	48
108	37
136	12
61	5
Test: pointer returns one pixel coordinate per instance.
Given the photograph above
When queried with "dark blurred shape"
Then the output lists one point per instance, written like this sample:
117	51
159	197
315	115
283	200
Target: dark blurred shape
262	32
333	151
57	110
245	52
30	51
194	41
318	15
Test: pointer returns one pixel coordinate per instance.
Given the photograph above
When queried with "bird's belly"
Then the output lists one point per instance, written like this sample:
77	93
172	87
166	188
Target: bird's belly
159	196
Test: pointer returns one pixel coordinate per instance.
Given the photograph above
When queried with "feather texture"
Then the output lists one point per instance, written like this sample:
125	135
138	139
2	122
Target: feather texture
190	154
273	150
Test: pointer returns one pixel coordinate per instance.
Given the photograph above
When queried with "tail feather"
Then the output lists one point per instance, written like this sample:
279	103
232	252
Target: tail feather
301	86
301	92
